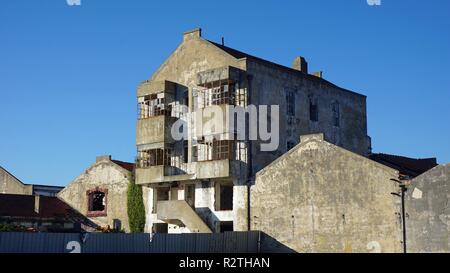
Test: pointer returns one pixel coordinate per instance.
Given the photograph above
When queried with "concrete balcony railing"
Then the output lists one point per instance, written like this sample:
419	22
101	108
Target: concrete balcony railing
158	174
155	129
211	169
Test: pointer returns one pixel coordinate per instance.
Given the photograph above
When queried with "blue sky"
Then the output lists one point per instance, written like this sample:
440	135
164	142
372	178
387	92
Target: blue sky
68	74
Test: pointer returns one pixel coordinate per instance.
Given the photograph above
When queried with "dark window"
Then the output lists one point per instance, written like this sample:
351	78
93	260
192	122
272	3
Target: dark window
185	151
226	226
290	103
160	228
313	110
189	194
186	98
225	197
117	225
336	114
96	202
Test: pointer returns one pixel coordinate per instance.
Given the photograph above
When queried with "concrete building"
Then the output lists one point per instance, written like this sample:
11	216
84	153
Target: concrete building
100	193
319	197
208	175
428	211
9	184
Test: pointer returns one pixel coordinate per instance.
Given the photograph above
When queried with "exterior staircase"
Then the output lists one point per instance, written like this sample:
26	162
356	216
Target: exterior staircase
176	211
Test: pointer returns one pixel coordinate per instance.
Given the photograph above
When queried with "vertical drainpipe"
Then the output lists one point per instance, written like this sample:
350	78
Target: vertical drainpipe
403	189
249	157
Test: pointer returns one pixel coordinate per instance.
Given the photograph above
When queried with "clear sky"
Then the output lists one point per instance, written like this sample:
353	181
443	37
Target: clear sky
68	74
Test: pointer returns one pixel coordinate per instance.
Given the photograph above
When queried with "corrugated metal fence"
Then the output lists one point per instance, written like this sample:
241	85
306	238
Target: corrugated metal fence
228	242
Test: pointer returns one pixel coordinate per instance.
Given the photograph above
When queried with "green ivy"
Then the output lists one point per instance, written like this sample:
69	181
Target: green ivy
136	209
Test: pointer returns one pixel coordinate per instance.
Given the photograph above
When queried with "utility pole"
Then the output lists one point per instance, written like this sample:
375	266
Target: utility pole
402	195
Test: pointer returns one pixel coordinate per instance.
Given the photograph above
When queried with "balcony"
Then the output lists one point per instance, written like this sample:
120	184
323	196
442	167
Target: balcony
212	159
159	174
154	129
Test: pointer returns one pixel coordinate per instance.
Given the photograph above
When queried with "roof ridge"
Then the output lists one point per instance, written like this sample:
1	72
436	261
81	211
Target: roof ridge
240	55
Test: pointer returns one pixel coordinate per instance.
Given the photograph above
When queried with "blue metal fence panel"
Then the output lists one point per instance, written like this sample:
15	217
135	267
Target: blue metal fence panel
229	242
158	243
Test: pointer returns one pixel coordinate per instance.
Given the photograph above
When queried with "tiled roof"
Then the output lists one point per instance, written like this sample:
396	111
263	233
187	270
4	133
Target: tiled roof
405	165
22	206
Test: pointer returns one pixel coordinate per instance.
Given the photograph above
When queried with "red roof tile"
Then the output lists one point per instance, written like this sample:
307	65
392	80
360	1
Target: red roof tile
15	205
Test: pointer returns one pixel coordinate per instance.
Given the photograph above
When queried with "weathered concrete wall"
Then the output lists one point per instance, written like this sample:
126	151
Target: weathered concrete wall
104	174
11	185
154	130
428	211
321	198
192	56
269	85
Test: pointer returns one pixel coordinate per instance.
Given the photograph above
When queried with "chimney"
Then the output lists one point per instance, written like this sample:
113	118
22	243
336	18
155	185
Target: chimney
37	202
318	74
300	64
103	158
192	34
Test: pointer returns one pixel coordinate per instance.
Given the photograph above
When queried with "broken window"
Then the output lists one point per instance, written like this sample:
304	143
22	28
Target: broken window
96	202
215	150
217	93
290	103
336	114
313	110
224	196
153	105
154	157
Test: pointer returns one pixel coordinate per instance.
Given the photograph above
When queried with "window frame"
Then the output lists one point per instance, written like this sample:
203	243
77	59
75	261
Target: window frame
89	196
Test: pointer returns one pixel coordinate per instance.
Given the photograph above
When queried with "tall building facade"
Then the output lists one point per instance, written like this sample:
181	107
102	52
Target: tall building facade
200	182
